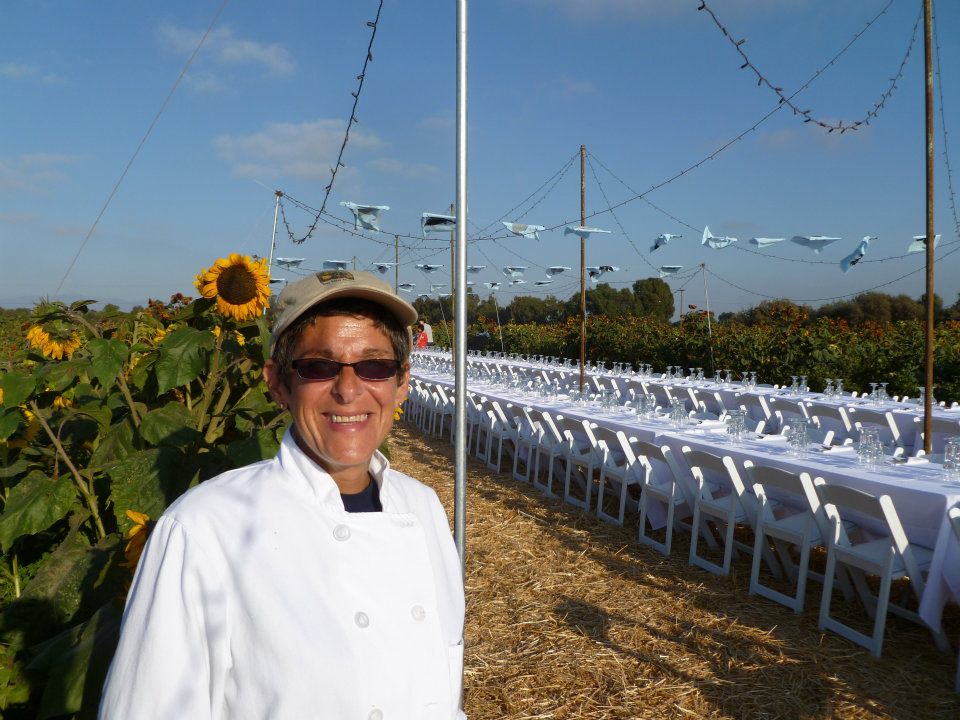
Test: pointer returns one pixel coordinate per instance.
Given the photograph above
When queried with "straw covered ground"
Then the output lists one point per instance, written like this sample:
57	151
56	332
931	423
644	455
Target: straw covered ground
568	617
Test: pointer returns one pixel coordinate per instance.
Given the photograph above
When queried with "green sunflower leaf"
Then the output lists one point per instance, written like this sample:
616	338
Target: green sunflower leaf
9	422
146	481
172	425
34	504
16	387
107	358
181	358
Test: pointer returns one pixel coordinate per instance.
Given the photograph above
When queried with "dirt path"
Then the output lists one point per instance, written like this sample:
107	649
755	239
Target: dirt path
568	617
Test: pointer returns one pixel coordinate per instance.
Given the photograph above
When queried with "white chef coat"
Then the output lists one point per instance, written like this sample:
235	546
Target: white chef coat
258	596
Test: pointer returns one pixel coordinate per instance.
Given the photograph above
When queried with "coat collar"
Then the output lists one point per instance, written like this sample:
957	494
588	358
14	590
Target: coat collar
309	477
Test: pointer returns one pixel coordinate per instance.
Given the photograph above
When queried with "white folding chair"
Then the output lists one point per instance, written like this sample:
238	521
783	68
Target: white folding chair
785	410
759	412
550	451
582	453
890	556
669	487
794	524
942	429
500	430
721	498
889	432
831	417
708	404
526	438
619	469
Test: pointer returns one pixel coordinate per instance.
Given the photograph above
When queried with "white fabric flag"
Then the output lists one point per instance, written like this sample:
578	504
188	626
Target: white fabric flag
669	270
532	232
434	223
514	271
493	286
715	241
662	239
556	270
857	255
919	243
542	282
406	287
475	268
582	231
365	217
335	264
383	267
518	282
436	287
814	242
761	242
428	268
288	262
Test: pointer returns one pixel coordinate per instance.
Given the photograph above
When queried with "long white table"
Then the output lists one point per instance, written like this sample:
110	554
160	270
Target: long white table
919	494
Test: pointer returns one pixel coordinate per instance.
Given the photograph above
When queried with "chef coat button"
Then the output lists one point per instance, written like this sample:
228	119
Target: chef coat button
361	619
417	612
375	714
341	532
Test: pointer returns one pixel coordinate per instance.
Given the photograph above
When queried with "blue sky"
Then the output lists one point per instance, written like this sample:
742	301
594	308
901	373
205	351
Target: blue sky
649	87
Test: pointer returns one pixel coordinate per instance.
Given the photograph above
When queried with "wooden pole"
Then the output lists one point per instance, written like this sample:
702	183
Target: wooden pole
396	263
583	285
929	330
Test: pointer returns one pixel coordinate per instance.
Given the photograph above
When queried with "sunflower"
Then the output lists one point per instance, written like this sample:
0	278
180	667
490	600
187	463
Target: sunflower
54	342
240	285
136	538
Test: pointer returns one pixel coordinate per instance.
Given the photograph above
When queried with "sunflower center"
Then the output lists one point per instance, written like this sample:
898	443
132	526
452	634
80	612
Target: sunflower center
237	285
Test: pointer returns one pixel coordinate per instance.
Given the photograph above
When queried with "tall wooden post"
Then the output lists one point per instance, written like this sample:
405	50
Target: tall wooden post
583	285
928	354
396	263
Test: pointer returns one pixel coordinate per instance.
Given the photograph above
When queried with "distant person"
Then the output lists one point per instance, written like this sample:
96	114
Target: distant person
429	331
320	583
420	341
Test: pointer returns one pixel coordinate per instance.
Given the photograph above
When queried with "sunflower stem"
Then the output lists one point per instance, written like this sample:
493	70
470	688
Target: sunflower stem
15	575
125	389
209	386
86	490
216	418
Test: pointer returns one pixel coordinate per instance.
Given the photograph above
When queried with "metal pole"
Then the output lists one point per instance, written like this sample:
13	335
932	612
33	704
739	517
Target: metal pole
706	298
396	263
928	351
583	285
460	294
273	238
453	277
496	307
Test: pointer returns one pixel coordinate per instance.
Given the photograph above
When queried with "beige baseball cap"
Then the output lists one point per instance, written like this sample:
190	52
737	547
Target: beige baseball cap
302	295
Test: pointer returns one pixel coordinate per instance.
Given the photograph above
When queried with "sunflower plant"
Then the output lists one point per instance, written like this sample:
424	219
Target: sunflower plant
106	418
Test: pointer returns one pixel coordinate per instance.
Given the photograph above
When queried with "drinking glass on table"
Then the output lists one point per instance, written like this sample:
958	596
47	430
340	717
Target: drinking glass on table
797	441
951	461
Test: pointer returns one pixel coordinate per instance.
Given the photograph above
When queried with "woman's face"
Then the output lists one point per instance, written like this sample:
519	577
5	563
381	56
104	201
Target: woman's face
339	423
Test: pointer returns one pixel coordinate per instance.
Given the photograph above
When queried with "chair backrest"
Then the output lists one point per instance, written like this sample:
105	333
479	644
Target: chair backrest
942	429
785	408
749	401
830	417
788	486
889	432
709	401
707	467
837	498
552	432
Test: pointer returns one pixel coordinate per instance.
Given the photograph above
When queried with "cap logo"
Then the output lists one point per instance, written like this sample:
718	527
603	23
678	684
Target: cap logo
328	276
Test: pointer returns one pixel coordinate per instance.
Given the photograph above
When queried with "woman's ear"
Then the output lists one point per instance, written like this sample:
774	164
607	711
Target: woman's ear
276	383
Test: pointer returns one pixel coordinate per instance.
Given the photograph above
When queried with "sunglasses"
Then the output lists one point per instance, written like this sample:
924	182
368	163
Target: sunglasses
323	369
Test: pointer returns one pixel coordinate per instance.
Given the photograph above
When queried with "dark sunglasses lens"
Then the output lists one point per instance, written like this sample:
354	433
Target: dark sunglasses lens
376	369
316	369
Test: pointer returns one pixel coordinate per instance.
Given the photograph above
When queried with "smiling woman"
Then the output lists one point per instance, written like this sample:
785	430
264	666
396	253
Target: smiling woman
336	568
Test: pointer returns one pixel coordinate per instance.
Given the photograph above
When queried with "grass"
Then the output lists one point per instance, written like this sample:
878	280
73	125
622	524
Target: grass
569	617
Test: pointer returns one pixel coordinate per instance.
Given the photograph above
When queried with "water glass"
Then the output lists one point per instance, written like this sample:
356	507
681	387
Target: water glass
798	439
951	461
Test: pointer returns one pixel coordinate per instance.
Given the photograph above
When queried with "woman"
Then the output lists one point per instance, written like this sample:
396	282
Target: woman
421	339
320	583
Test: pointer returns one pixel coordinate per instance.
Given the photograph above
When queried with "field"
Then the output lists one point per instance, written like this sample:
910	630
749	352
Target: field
568	617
